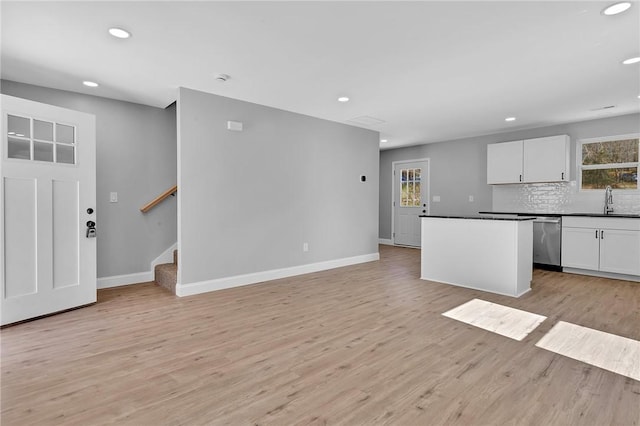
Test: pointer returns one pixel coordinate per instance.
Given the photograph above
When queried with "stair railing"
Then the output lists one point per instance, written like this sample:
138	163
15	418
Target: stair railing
151	204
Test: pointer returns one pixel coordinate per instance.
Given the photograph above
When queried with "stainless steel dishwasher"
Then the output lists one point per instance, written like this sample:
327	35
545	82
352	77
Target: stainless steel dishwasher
547	241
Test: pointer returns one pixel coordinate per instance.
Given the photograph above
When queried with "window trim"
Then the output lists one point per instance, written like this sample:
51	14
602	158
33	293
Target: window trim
580	167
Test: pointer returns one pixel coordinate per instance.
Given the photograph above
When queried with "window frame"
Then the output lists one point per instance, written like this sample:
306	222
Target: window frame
580	167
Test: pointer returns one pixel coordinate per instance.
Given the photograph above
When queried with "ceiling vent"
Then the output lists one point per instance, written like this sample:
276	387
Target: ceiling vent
366	120
603	108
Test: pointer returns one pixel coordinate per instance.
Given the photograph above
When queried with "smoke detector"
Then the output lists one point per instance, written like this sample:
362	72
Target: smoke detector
222	77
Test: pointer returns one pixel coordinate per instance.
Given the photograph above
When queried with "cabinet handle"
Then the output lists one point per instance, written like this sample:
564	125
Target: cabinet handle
596	234
520	178
602	234
562	176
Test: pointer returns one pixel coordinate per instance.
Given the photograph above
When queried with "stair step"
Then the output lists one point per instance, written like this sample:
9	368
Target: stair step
166	276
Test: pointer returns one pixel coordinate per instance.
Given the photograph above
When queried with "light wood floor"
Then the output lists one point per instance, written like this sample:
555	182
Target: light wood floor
365	344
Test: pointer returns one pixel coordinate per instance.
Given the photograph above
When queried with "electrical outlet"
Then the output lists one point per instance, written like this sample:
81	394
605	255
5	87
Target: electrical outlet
305	246
436	198
471	198
113	197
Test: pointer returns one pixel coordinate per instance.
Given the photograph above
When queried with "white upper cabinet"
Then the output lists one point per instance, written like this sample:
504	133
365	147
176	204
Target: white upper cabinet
504	162
546	159
529	161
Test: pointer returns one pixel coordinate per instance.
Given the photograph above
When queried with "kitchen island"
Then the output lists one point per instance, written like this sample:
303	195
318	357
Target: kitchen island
493	254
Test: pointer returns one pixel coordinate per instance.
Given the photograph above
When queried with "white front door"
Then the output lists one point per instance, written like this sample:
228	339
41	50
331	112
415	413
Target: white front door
410	200
47	196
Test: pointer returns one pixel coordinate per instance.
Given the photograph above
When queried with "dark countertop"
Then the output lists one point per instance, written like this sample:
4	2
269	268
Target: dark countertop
622	215
517	218
526	214
627	215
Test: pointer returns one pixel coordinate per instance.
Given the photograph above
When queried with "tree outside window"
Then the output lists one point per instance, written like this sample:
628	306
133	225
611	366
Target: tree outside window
612	162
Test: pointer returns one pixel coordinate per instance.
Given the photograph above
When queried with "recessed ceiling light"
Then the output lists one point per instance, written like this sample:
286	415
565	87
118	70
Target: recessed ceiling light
631	60
510	119
383	140
90	84
222	77
343	99
616	8
119	33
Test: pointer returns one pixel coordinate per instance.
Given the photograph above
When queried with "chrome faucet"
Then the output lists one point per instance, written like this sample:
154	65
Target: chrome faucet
608	200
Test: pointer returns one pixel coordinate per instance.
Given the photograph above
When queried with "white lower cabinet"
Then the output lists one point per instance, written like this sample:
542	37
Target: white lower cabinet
581	248
601	244
620	251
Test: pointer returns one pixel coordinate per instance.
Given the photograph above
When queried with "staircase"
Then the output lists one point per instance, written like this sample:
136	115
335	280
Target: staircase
166	274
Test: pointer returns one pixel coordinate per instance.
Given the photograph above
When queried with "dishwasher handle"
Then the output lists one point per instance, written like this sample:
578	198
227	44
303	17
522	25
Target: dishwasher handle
545	220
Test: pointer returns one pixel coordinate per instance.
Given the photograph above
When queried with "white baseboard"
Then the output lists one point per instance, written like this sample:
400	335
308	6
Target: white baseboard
385	241
165	257
274	274
120	280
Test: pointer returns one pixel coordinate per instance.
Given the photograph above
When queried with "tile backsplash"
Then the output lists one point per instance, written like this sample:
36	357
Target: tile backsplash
560	197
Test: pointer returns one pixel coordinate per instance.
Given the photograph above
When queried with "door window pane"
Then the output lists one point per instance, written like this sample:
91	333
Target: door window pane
43	151
65	154
404	194
64	133
410	194
43	130
19	126
48	138
19	148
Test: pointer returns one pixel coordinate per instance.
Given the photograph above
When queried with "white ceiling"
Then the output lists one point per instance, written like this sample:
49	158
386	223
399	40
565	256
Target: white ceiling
431	71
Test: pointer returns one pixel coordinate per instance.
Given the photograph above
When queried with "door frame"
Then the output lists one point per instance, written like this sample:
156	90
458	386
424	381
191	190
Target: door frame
393	192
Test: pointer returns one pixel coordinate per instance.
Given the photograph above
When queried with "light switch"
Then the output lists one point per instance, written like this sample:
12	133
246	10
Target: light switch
113	197
471	198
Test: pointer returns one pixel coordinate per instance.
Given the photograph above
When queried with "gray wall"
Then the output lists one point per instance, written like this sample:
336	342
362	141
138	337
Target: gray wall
249	200
459	167
136	157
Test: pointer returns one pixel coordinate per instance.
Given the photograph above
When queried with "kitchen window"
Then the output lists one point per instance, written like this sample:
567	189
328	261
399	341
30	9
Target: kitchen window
611	161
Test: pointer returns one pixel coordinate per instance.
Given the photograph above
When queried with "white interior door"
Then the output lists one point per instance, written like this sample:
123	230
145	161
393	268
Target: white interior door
47	195
411	199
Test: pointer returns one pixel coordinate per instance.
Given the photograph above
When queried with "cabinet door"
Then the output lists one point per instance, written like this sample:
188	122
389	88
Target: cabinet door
580	248
546	159
620	251
504	162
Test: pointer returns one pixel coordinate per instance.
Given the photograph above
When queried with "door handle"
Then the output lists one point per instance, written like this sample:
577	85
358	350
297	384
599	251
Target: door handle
91	229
